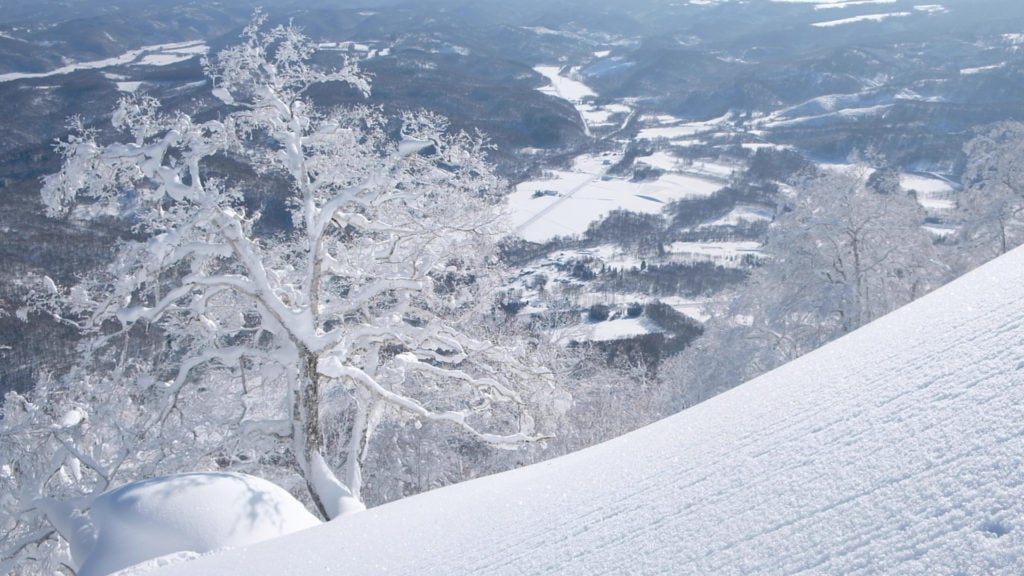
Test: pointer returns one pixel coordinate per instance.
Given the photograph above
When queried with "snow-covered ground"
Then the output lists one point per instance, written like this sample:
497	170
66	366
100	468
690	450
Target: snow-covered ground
599	116
896	450
156	55
843	4
720	253
840	115
828	4
982	69
566	201
608	330
862	18
933	193
664	127
563	86
837	5
174	518
556	270
123	83
740	214
570	88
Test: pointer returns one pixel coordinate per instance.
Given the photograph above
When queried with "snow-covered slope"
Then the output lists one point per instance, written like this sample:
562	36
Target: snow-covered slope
896	450
195	513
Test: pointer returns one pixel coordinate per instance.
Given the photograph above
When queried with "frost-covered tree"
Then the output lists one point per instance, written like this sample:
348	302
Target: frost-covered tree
841	252
207	344
993	197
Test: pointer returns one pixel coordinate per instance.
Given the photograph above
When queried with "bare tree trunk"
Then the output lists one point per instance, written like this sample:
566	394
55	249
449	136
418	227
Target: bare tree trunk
306	426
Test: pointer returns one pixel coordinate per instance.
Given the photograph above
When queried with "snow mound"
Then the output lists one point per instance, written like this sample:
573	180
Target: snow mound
896	450
187	514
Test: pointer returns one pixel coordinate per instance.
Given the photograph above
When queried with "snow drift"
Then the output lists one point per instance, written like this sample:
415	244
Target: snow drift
896	450
184	514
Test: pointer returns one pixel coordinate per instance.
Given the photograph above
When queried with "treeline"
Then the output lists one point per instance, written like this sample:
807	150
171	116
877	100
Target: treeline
677	332
671	278
686	213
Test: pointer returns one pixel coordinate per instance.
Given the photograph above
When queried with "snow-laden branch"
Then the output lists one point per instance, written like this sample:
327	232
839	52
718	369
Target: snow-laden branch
276	428
149	160
198	249
15	548
297	321
189	286
411	363
226	356
334	368
376	288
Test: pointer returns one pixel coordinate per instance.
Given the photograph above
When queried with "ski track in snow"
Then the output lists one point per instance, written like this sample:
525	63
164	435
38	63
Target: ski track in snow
896	450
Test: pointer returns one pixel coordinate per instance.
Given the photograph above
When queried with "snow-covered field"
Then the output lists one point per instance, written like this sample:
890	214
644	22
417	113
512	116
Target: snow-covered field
896	450
933	193
862	18
838	5
982	69
581	96
608	330
567	201
563	86
840	115
742	214
829	4
669	128
721	253
156	55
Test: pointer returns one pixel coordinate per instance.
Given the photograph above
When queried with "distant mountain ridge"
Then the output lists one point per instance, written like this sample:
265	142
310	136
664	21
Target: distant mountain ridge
680	84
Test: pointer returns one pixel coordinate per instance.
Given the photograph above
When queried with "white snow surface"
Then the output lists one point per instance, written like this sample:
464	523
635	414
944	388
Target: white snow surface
570	200
721	253
896	450
670	128
581	97
607	330
827	4
853	3
563	86
933	193
155	55
180	516
982	69
863	18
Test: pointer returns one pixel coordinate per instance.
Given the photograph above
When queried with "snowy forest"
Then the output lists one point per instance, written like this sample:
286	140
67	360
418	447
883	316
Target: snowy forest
358	341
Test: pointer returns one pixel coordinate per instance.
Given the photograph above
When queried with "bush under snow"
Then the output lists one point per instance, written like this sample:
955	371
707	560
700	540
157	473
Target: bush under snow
181	514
